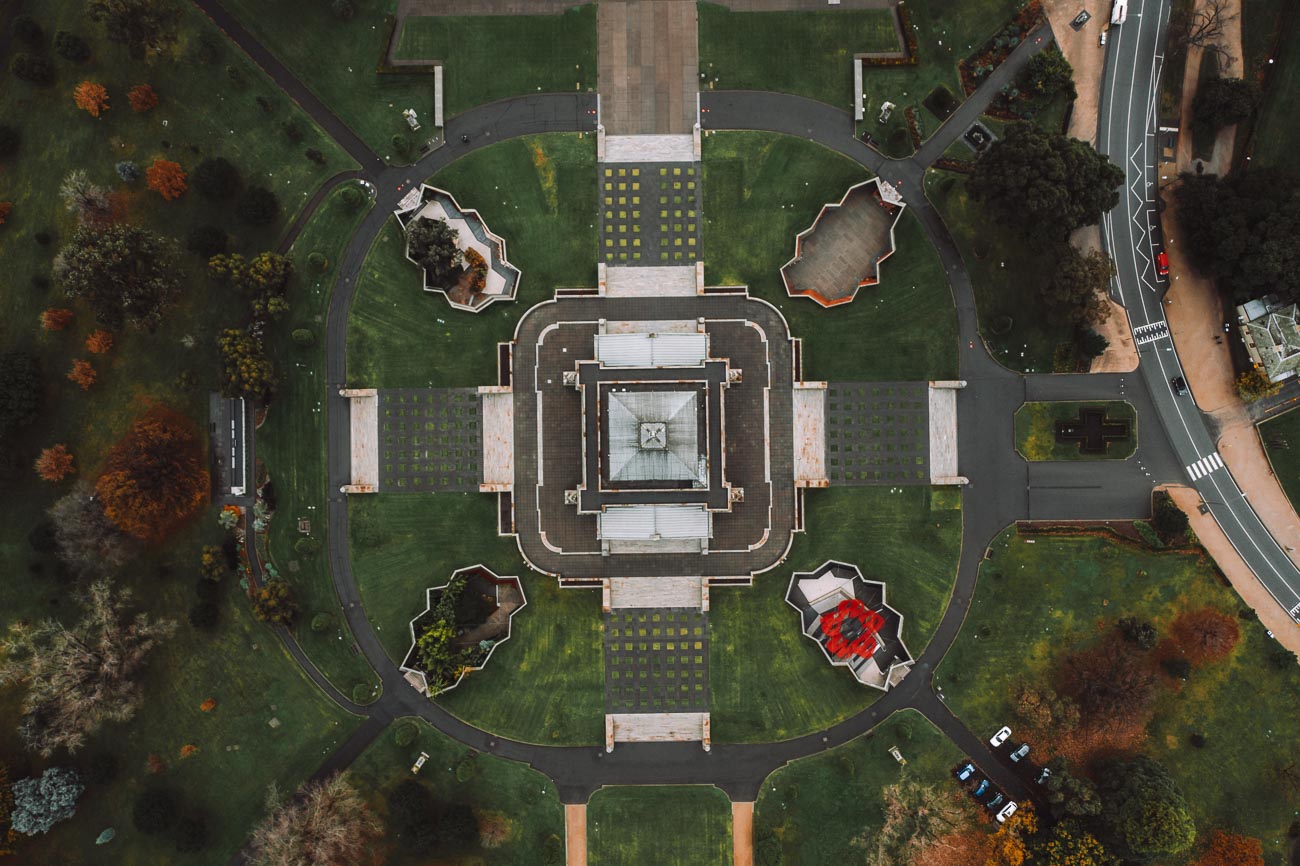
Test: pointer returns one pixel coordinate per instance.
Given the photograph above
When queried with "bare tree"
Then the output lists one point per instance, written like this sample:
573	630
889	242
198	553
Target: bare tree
78	678
87	200
325	824
87	542
1202	27
916	816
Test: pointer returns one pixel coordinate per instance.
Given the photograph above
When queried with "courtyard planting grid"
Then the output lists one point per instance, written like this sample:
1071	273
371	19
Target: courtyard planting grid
650	213
656	660
430	440
878	433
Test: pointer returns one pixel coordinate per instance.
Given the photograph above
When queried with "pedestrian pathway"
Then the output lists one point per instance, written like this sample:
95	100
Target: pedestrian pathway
648	73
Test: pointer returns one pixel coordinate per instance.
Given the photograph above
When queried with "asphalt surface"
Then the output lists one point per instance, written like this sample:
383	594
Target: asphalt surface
1127	133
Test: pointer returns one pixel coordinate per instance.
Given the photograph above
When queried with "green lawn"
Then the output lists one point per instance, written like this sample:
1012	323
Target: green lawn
660	825
1277	129
485	58
807	53
1036	430
768	681
1281	437
551	53
518	802
291	445
539	193
1005	272
760	191
543	685
802	808
1040	597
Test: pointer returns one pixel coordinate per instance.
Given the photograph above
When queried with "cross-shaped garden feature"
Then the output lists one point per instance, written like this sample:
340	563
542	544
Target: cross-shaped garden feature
1092	430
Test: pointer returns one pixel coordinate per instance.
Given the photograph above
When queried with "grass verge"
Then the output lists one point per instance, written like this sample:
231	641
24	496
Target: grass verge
1036	430
1281	437
664	825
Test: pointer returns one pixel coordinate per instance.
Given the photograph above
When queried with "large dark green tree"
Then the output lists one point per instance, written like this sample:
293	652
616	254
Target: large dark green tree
1047	73
1075	290
1223	102
127	274
20	390
216	178
1043	183
1144	811
145	27
432	243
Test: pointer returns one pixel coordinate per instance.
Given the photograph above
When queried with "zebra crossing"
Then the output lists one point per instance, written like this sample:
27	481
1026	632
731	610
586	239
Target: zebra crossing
1205	466
1150	333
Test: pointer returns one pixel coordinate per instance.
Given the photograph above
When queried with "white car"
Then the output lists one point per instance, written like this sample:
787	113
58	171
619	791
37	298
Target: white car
1007	811
1000	737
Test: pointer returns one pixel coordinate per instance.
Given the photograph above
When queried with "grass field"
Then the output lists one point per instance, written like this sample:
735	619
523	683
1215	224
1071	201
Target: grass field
801	810
1277	127
1281	437
1005	272
545	684
768	681
1038	600
1036	430
539	193
761	190
337	60
518	803
664	825
291	444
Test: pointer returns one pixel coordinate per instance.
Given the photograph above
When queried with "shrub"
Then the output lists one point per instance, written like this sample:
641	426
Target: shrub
82	374
350	197
362	693
406	734
39	804
258	206
274	603
207	241
128	171
154	811
293	130
99	342
1138	632
303	337
143	99
307	546
321	622
10	139
1149	536
466	768
26	29
318	262
32	69
216	179
71	47
315	156
1281	658
56	319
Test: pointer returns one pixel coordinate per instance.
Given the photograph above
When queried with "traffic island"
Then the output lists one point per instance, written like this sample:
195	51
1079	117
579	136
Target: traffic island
1072	430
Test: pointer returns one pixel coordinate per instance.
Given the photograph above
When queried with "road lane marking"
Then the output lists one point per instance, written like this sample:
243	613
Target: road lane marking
1204	466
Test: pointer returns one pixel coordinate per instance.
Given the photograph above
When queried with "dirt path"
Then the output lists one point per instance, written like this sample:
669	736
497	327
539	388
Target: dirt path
575	834
1083	49
1221	161
1238	573
742	834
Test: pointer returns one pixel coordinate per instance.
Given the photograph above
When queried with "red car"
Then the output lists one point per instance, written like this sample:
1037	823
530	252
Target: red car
1162	263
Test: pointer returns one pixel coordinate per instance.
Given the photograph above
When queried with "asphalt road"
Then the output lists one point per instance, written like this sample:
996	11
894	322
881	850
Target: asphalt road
1127	133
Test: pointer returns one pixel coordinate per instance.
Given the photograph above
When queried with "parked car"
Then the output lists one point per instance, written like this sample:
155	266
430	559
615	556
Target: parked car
1103	38
1007	811
1020	752
1042	777
982	787
1000	737
1162	263
1179	384
994	803
965	772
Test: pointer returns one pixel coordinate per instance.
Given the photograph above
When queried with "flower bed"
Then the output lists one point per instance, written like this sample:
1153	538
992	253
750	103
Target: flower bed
975	68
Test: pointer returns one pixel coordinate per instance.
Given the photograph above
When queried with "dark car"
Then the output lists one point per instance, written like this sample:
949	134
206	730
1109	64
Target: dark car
1179	384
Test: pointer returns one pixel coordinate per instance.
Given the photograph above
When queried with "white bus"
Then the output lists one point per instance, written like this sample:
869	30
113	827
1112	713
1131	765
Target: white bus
1119	12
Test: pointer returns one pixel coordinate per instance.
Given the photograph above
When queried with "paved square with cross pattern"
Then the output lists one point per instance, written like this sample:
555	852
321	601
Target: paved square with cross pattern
878	433
650	213
429	440
656	660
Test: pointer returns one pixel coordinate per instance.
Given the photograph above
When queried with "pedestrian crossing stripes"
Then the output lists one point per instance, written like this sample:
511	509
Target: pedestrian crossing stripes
1205	466
1150	333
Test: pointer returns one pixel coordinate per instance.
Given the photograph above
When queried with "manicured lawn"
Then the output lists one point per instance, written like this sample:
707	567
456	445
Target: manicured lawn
1038	600
760	191
494	56
1036	431
539	193
291	445
807	53
485	58
518	803
768	681
1005	272
545	684
804	809
1277	127
1281	437
666	826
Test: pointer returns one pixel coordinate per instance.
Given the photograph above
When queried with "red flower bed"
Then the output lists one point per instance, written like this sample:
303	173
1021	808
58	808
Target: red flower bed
851	629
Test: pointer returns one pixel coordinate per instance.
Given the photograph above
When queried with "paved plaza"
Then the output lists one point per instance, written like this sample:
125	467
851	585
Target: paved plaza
877	433
656	661
650	213
649	63
429	440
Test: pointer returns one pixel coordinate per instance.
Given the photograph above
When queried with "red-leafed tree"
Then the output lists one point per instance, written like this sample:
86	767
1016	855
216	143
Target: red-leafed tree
91	97
5	208
55	463
83	374
1205	635
99	342
166	178
1229	849
56	319
142	98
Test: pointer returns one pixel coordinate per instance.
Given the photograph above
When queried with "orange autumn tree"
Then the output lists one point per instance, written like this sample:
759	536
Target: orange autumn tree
56	319
55	463
142	98
91	97
99	342
1205	635
1229	849
5	208
83	374
154	477
166	178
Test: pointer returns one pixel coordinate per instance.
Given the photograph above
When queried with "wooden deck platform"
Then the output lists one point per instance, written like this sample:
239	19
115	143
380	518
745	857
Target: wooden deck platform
363	406
656	728
498	438
810	435
943	433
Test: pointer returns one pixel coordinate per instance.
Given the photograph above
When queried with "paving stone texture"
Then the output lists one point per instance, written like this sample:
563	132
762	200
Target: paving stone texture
650	214
877	433
656	660
648	73
429	440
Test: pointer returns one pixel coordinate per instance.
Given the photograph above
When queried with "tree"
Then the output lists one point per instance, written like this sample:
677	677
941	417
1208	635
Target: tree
21	386
26	29
1205	635
1253	385
145	27
127	171
1048	73
1143	809
258	206
1138	632
126	273
6	207
246	369
1069	844
41	803
99	342
432	245
55	463
411	811
1070	795
212	563
85	540
154	811
207	241
33	69
78	678
1089	343
1045	711
1167	518
166	178
91	97
87	200
1229	849
1045	184
327	824
56	319
263	279
216	178
274	603
205	615
143	99
1223	102
1200	25
82	374
11	138
916	815
71	47
155	477
1108	680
